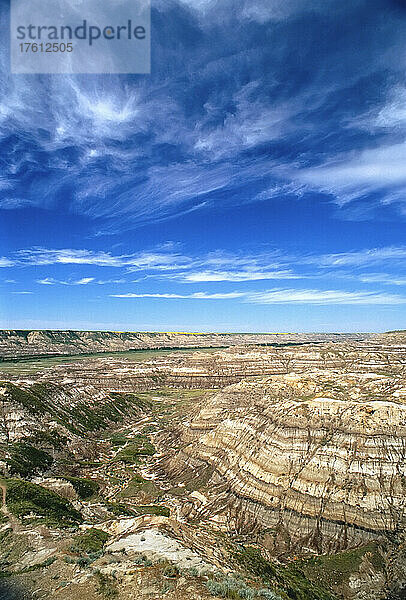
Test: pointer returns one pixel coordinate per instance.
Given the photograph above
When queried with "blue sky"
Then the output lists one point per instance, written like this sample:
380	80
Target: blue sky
255	181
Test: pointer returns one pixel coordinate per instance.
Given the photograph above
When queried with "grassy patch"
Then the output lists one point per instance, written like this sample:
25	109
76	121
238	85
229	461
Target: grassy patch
119	439
290	581
12	548
336	569
139	485
79	418
139	446
120	510
28	499
131	399
154	509
90	541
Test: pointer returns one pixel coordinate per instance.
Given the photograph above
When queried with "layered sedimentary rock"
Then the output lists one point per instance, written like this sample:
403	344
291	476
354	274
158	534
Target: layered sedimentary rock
217	368
319	461
25	343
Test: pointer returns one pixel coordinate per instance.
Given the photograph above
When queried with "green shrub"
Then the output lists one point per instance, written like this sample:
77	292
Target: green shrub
106	585
167	586
223	589
83	561
237	589
192	572
268	595
49	561
252	560
171	571
90	541
142	561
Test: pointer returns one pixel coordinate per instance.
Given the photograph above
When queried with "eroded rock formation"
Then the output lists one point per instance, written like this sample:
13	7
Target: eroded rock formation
319	461
25	343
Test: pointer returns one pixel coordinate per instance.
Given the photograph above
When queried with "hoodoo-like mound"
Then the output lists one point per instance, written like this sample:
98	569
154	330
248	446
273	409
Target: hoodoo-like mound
317	460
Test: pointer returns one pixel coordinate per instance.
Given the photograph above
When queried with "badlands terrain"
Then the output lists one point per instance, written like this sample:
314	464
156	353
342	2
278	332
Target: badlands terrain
195	467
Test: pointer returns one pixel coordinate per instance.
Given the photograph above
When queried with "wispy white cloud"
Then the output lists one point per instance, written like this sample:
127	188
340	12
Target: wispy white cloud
284	296
44	256
295	296
109	281
51	281
167	263
253	122
252	275
82	281
142	260
5	262
367	256
195	296
382	278
23	293
387	116
380	169
140	152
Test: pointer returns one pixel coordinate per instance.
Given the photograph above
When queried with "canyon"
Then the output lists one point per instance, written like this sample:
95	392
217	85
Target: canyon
31	343
270	466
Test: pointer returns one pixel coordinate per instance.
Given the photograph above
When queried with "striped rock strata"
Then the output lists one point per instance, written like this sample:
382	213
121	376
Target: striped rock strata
320	461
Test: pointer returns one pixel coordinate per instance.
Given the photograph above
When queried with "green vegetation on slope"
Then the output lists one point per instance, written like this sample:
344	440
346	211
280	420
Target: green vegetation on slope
85	488
26	460
291	582
31	400
48	439
138	485
139	446
337	568
30	500
78	417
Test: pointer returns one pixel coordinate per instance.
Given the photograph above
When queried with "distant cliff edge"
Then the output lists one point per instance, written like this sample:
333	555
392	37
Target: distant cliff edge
20	344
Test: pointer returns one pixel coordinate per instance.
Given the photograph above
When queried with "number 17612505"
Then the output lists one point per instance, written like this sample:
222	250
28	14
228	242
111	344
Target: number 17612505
46	47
